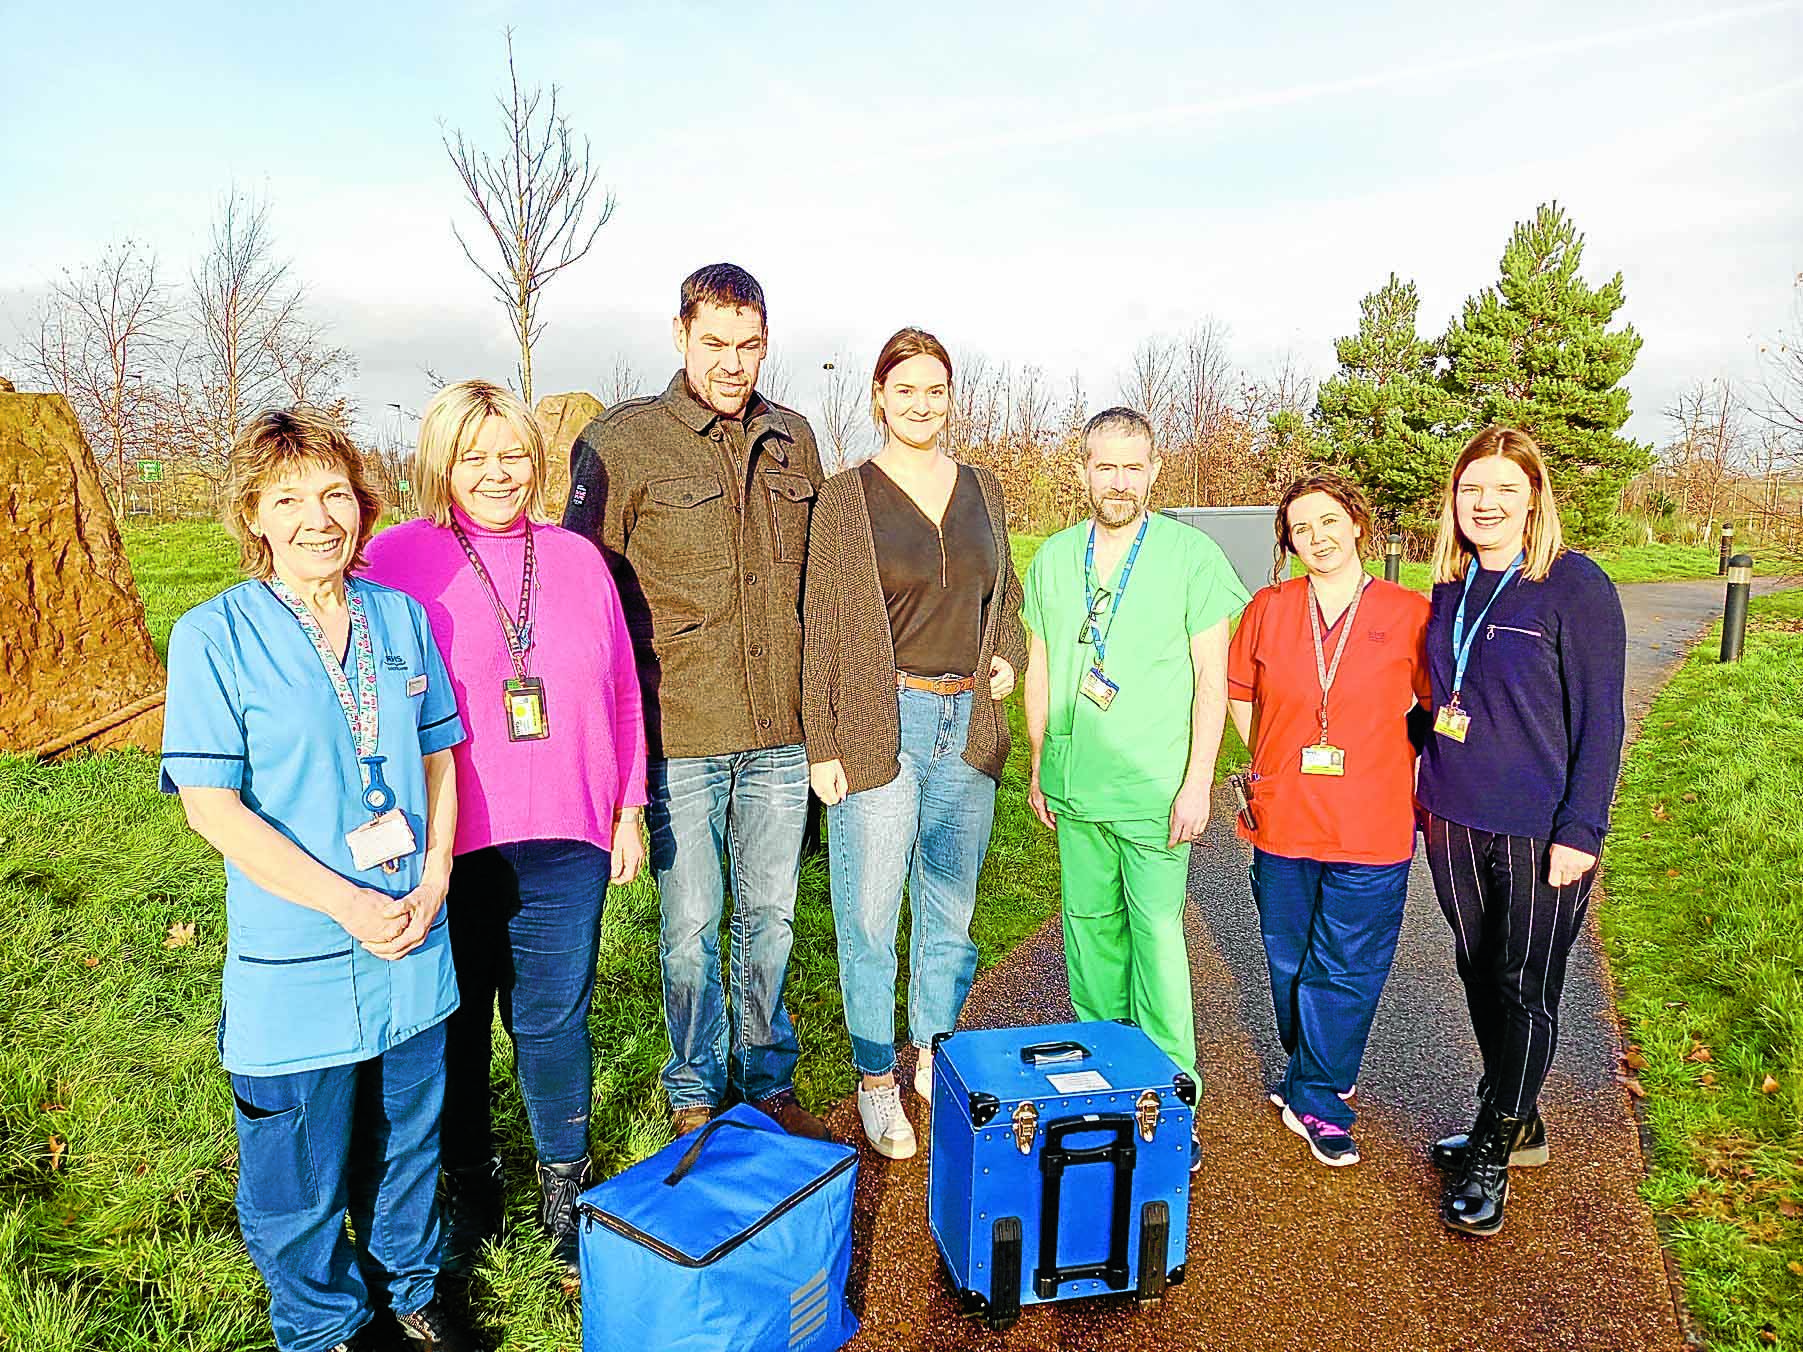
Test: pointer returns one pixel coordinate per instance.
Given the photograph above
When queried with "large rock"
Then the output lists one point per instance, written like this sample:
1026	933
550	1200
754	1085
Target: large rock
561	417
77	667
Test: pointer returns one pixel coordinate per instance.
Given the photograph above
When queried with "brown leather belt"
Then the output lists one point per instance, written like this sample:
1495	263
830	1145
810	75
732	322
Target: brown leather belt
937	685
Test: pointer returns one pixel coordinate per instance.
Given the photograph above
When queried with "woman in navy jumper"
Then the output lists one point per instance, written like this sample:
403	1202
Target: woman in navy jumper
1527	649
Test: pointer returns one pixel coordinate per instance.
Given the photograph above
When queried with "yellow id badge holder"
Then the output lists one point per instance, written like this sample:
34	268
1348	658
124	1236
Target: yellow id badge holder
526	718
1452	721
1323	759
1098	689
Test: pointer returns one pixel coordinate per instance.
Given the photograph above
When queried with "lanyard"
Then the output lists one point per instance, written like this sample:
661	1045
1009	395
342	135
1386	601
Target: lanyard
1089	589
358	706
516	632
1323	670
1462	641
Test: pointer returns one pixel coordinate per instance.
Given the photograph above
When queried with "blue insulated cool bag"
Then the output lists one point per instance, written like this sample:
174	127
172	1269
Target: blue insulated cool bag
736	1238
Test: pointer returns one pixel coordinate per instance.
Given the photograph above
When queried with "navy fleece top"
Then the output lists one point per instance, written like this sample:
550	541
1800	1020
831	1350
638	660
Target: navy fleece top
1544	691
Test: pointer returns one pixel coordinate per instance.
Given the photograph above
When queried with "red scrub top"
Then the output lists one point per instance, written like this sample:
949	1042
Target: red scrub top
1367	815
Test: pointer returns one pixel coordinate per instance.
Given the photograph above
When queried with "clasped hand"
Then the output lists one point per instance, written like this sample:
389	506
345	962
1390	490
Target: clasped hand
392	927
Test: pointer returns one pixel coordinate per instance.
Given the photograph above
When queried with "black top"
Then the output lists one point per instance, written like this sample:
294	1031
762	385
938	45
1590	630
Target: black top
936	579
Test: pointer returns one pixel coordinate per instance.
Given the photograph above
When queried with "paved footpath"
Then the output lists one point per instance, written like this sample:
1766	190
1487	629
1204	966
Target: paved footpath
1286	1254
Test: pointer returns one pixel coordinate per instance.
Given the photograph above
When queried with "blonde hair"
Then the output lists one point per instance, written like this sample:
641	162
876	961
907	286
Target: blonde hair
1544	540
275	444
451	422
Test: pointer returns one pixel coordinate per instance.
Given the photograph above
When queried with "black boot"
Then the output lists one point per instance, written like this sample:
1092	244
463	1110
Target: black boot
440	1326
1526	1151
472	1214
559	1185
1474	1198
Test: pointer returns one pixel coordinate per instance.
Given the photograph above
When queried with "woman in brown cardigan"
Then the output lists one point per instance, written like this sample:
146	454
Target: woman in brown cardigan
912	639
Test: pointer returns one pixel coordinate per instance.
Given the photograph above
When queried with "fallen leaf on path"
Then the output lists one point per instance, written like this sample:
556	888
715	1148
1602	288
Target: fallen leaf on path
57	1146
1700	1053
180	935
1768	1085
1632	1085
1633	1059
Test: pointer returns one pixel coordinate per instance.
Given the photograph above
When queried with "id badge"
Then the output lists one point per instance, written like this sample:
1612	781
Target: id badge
1098	689
384	840
1323	759
526	719
1452	722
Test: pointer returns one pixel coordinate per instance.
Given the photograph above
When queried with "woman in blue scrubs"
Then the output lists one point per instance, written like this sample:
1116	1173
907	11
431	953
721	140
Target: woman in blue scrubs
308	730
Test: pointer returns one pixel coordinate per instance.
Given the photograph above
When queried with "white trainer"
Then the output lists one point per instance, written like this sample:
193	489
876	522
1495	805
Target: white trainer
923	1074
885	1124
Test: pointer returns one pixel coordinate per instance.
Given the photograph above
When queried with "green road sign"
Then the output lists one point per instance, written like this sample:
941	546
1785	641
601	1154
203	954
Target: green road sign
403	485
150	471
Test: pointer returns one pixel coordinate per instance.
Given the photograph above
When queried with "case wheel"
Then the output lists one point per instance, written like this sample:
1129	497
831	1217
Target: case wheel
1004	1273
1154	1251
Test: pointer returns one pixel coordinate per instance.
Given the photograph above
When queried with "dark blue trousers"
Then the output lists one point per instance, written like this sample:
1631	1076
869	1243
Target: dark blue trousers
315	1144
1330	935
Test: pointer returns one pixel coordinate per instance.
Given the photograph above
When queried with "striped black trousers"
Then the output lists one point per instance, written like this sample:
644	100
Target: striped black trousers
1512	931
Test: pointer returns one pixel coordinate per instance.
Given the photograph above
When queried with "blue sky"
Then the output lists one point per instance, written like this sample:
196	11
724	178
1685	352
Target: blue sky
1046	184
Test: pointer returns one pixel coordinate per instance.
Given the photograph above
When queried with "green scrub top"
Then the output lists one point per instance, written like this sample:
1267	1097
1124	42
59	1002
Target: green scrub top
1127	762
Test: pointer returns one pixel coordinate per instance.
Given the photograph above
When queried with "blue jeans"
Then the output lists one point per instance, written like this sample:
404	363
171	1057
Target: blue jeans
1330	935
314	1144
929	827
753	806
525	919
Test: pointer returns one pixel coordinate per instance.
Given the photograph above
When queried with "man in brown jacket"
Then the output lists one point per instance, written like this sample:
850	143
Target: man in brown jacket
699	498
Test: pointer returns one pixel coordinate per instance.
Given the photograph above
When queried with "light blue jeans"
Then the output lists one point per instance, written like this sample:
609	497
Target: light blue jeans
752	806
928	827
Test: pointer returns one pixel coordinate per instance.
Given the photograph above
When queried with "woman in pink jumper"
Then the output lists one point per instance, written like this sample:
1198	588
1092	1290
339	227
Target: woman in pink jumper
550	786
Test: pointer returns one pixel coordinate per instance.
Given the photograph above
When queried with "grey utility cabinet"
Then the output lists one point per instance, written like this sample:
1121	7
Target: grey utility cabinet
1245	535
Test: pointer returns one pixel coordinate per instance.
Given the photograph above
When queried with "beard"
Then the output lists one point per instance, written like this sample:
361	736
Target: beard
1114	511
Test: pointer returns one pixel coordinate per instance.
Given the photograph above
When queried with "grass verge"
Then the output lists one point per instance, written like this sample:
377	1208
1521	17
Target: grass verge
1704	926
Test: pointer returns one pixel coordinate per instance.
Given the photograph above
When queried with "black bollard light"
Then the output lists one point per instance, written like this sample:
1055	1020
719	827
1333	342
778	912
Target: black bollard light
1734	612
1721	565
1393	558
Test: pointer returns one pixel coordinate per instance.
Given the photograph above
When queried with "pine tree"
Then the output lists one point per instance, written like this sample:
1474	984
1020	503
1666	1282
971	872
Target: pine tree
1389	420
1535	351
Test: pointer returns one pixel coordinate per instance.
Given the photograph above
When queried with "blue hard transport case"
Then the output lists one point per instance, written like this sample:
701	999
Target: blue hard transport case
1059	1165
735	1238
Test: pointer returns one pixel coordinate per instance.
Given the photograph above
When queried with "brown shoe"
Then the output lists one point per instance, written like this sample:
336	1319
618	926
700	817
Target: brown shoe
692	1118
788	1113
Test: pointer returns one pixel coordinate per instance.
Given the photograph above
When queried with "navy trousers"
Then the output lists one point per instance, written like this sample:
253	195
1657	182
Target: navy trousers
316	1144
1330	935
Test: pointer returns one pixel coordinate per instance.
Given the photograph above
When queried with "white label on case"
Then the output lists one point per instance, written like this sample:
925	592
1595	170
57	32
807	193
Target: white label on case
1079	1082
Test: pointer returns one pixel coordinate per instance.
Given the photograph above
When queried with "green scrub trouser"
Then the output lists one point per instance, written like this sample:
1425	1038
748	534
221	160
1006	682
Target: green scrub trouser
1124	894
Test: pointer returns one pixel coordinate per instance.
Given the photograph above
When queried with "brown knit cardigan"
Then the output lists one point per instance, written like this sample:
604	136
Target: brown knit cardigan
848	703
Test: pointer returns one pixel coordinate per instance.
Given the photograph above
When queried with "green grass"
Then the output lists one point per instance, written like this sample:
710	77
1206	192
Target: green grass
178	564
1704	926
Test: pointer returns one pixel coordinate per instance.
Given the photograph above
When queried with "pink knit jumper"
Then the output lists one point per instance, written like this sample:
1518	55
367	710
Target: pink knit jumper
570	785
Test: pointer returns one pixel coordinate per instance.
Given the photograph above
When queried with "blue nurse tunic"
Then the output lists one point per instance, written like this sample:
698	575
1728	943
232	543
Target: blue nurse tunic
250	708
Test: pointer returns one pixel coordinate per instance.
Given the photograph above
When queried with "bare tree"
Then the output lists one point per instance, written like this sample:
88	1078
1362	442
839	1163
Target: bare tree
1152	385
311	370
532	198
1202	403
99	332
241	299
844	414
773	380
1708	447
622	382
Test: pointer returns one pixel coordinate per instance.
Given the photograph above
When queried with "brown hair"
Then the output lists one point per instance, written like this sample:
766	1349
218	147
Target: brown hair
1122	421
1338	487
724	284
902	344
448	426
1545	537
279	442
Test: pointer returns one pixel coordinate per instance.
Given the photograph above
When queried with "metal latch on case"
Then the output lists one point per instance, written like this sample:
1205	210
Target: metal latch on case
1145	1113
1026	1126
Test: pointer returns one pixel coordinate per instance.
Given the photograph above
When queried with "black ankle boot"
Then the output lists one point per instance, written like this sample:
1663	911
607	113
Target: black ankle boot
472	1214
1528	1151
1474	1198
559	1185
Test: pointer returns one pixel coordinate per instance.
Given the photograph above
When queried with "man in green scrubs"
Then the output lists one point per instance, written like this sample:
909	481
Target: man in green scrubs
1126	696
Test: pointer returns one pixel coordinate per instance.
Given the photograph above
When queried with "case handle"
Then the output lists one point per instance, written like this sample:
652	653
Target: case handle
693	1153
1054	1159
1039	1052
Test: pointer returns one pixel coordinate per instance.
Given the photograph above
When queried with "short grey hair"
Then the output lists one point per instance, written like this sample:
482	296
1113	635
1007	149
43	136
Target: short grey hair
1122	421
